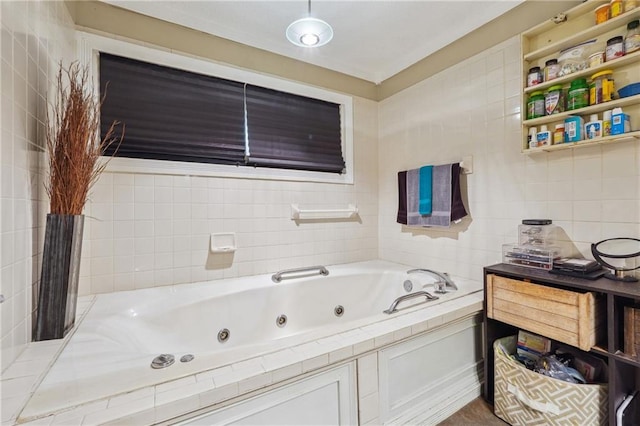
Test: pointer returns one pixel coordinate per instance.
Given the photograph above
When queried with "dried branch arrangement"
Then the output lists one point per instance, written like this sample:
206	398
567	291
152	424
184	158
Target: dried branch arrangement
73	141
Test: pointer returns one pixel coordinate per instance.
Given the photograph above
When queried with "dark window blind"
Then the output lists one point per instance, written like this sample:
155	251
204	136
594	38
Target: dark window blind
294	132
171	114
176	115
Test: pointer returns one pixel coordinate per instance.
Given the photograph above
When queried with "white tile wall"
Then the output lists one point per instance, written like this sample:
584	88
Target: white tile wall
35	37
473	108
149	230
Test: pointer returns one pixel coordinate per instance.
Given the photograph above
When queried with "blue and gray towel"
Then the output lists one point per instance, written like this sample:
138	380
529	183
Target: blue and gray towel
446	198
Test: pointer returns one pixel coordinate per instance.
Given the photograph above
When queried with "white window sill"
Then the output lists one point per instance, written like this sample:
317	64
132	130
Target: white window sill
136	165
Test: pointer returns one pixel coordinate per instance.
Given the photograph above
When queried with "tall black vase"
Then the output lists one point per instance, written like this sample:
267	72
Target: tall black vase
59	280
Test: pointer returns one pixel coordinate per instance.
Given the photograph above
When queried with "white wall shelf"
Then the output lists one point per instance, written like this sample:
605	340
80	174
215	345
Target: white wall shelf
625	137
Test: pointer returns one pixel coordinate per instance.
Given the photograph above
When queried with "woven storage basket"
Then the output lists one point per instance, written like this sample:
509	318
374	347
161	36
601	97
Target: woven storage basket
523	397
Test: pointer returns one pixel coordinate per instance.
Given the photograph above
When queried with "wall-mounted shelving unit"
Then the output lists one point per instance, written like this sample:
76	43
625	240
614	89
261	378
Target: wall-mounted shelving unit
545	42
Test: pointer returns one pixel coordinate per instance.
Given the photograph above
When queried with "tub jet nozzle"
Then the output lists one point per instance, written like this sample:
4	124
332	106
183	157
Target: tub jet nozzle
223	335
281	321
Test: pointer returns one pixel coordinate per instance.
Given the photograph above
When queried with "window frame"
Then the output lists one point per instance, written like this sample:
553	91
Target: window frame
89	46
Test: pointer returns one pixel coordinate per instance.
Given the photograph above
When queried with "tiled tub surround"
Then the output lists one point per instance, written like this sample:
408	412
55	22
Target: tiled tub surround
148	230
77	391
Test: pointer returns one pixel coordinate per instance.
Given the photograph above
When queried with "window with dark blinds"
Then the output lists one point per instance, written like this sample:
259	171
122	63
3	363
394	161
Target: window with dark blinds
171	114
176	115
293	131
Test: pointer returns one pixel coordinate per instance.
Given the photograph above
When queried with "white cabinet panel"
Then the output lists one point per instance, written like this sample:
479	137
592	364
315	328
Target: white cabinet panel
327	398
425	374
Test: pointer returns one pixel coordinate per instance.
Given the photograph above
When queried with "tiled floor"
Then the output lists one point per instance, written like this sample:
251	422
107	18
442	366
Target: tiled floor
477	413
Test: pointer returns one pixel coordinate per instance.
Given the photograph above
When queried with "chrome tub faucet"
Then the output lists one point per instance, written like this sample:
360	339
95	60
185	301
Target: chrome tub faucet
445	282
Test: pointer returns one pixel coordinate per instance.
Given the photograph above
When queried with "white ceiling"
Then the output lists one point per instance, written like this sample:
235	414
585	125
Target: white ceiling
373	40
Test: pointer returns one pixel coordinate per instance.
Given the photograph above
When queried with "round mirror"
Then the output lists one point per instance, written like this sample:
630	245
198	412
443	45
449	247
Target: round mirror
617	248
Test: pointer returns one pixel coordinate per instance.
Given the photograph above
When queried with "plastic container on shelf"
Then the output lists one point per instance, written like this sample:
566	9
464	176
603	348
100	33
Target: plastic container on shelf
554	102
558	134
531	139
575	58
578	96
573	128
535	105
616	8
543	137
632	38
602	13
606	123
620	122
537	235
593	129
534	76
629	90
602	87
615	48
531	256
596	59
551	69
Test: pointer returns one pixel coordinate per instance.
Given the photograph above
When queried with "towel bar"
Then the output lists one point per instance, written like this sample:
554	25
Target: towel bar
300	214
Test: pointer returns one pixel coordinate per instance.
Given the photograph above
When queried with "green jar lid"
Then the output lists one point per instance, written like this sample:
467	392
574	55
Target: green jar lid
579	82
554	88
537	93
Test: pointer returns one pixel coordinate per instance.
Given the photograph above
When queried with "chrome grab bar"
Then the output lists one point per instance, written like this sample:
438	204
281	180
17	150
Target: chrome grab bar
442	275
277	277
392	309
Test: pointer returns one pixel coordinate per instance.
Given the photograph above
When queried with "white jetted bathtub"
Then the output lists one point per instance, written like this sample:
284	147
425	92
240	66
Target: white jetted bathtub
113	346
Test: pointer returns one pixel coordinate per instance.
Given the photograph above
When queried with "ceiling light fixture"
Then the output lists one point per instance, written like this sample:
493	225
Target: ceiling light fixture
309	32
